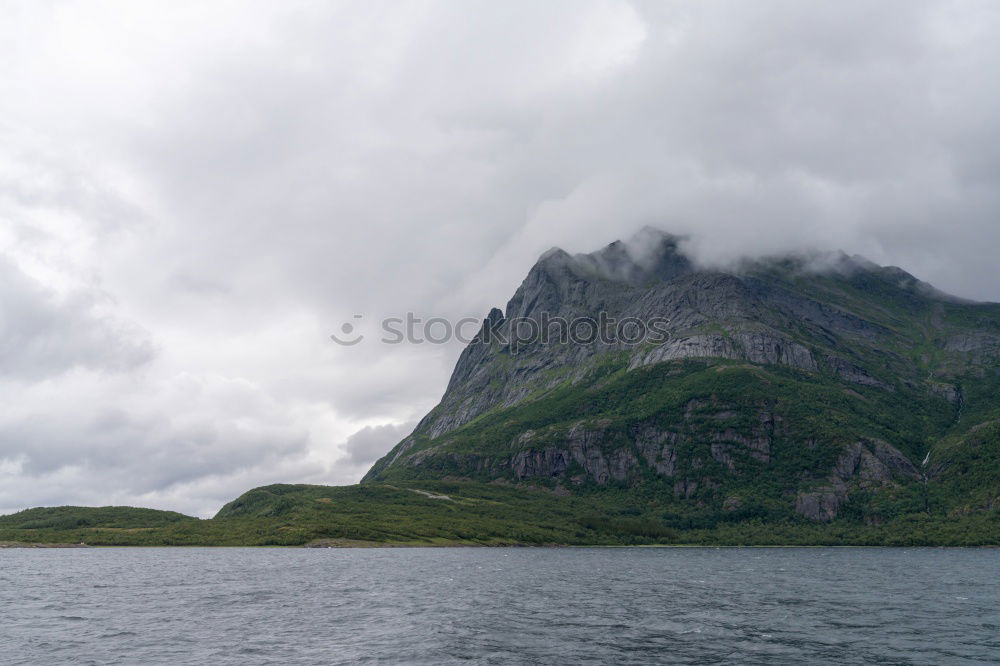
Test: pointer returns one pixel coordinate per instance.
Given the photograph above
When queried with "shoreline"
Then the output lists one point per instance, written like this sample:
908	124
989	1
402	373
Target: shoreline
377	545
25	544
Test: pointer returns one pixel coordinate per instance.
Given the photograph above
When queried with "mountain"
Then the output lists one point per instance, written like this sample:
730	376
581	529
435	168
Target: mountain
815	388
814	400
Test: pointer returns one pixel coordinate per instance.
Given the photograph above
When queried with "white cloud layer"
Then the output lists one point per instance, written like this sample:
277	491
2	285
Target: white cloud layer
194	195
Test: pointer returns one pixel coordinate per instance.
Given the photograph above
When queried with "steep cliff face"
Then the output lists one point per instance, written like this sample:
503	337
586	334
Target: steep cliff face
781	388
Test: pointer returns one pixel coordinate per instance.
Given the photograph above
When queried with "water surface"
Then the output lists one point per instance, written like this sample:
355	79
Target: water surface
498	606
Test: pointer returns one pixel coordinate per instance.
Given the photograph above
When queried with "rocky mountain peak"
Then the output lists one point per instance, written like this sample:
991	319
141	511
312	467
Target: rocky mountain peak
648	255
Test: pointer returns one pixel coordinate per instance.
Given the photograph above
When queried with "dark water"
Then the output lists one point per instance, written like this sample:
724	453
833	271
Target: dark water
494	606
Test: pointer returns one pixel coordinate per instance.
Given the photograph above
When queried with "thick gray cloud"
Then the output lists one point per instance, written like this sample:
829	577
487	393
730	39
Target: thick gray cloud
42	335
194	195
372	442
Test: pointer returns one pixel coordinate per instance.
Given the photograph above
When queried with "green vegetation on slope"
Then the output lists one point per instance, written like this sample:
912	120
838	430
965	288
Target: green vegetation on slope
77	517
663	396
439	513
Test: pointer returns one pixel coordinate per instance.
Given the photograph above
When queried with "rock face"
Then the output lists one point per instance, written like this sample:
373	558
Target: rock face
865	466
585	454
774	380
739	315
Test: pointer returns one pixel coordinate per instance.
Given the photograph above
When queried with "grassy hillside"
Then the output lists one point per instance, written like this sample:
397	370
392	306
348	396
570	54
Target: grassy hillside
805	442
77	517
439	513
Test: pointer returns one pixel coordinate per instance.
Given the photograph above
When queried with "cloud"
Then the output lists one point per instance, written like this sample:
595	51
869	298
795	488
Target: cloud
196	195
42	334
139	441
372	442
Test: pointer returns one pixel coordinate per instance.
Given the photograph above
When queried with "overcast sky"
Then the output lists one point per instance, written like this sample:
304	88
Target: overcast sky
193	196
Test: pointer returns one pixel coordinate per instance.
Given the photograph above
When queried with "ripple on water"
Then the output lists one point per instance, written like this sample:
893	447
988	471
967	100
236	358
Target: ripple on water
442	606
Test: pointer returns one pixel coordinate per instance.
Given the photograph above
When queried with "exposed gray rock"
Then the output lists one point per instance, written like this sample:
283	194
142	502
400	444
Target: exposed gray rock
582	447
587	452
820	506
869	465
897	463
550	462
854	373
949	392
729	440
979	345
657	448
685	488
753	347
732	503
